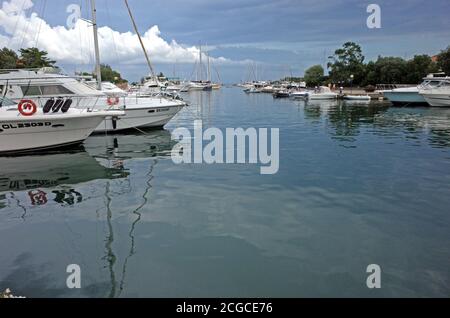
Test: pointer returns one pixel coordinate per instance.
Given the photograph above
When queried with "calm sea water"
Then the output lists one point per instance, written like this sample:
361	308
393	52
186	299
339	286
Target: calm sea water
357	185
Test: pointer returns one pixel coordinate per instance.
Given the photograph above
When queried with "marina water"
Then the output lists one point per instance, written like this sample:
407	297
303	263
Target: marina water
356	185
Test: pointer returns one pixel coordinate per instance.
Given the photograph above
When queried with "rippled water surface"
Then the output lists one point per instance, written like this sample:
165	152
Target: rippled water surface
357	185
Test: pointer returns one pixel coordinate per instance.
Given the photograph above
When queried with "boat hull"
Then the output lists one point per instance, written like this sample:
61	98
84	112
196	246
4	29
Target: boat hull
357	98
405	98
139	118
438	100
29	134
322	96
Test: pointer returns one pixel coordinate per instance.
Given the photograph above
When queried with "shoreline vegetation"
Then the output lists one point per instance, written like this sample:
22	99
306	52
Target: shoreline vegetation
346	67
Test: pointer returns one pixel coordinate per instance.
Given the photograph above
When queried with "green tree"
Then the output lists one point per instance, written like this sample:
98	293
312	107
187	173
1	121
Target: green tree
8	58
34	58
417	68
110	75
347	61
444	61
390	70
314	75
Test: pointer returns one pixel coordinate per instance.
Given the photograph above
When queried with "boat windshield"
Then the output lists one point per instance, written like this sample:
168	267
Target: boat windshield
444	84
431	83
6	102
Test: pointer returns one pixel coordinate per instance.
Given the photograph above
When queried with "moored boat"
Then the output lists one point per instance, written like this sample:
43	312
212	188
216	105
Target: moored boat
437	94
44	85
321	93
357	97
281	94
25	127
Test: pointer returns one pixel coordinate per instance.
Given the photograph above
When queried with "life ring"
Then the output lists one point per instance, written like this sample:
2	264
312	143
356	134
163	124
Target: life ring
27	107
112	101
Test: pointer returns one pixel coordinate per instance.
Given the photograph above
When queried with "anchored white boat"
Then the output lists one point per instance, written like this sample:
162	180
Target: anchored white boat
357	97
404	96
436	92
321	93
410	95
45	85
252	90
299	94
25	127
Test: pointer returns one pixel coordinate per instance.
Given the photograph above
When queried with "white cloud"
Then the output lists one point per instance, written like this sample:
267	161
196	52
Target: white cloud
75	46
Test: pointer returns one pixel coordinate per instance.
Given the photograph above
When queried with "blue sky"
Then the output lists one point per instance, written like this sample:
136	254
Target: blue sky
283	36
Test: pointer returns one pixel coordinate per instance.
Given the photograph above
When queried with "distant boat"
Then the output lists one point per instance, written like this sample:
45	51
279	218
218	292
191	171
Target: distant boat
252	90
357	97
281	94
299	94
322	93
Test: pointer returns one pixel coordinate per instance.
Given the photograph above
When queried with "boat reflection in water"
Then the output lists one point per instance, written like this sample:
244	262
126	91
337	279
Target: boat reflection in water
94	175
41	175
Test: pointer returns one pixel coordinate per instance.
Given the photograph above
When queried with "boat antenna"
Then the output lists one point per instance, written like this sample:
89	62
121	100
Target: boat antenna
97	51
142	43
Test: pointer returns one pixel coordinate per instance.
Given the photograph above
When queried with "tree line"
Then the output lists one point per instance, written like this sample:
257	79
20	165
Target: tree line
33	58
347	67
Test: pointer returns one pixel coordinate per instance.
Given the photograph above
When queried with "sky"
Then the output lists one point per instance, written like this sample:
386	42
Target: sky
244	38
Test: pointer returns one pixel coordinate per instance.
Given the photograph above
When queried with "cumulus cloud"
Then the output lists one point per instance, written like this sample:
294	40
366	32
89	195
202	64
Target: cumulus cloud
75	45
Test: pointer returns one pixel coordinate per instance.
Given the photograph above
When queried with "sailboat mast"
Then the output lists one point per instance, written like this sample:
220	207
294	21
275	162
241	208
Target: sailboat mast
97	50
209	71
140	41
200	62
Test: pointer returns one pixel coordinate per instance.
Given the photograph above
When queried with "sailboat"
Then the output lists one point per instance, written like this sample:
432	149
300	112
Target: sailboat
199	84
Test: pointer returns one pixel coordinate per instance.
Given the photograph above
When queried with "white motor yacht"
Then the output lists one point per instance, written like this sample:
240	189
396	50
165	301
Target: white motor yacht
436	92
26	127
404	96
299	94
410	96
44	87
321	93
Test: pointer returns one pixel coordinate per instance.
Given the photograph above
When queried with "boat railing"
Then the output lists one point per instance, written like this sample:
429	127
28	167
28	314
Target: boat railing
78	101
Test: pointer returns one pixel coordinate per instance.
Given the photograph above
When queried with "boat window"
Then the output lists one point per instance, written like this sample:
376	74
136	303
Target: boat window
1	89
55	90
30	90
